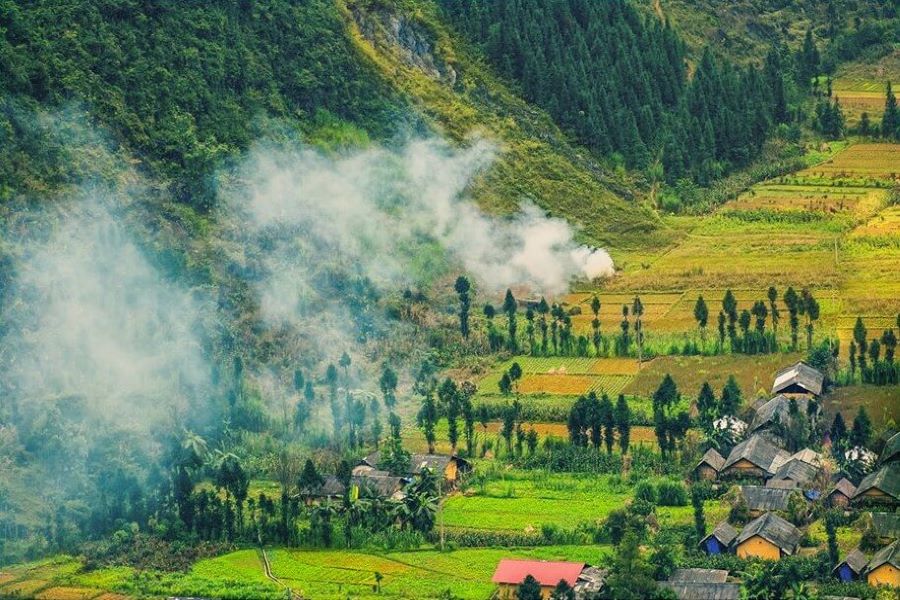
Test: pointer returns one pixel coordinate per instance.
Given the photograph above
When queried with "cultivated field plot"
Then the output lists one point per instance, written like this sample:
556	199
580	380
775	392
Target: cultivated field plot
465	573
523	502
857	201
882	402
885	224
875	161
564	376
854	103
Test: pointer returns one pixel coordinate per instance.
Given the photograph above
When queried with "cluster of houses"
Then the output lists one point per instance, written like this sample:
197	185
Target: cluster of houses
774	475
373	482
770	476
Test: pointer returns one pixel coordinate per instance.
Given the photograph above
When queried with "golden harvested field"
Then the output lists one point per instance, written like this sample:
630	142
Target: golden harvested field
854	103
556	384
879	161
884	224
851	200
67	593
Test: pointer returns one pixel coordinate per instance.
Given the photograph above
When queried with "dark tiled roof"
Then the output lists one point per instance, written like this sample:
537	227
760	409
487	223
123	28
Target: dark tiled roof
886	525
330	488
712	458
723	532
757	451
891	449
780	406
765	499
703	591
888	555
774	529
797	470
886	479
782	484
855	559
699	575
800	374
844	486
381	486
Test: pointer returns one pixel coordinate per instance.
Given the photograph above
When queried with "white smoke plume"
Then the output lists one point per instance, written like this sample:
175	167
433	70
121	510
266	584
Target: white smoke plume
383	213
91	317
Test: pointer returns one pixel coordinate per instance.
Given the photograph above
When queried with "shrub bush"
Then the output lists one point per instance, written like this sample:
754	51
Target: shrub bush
672	493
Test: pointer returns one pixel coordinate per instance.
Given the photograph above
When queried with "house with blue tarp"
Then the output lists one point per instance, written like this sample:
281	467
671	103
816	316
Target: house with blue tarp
719	541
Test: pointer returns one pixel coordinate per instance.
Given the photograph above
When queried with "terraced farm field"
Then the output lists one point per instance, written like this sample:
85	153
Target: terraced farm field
829	228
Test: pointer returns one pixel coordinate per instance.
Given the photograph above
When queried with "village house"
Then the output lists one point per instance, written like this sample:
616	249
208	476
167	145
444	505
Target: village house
891	451
768	537
761	500
800	472
839	496
778	409
886	526
798	379
852	567
884	568
510	573
376	484
754	458
702	584
880	487
719	541
448	468
709	466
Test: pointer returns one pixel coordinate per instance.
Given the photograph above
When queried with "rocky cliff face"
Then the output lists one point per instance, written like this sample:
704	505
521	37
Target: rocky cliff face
416	46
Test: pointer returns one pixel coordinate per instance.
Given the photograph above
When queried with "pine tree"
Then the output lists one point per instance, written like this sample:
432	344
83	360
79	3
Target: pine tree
462	287
623	423
706	405
890	121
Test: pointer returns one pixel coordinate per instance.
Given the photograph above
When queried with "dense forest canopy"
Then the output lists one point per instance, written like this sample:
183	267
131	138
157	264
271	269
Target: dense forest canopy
618	82
183	86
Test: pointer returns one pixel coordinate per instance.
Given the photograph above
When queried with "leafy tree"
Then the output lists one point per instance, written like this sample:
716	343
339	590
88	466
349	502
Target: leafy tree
838	433
543	309
310	478
462	287
731	397
427	419
345	362
448	396
890	121
467	392
388	384
637	310
706	405
623	423
509	307
508	427
772	295
531	440
831	520
515	374
505	384
595	324
699	517
861	432
529	330
701	315
792	302
529	589
811	308
859	336
562	591
668	425
721	323
889	340
729	307
608	418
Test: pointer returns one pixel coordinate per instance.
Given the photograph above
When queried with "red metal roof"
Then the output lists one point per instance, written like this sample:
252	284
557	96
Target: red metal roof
547	573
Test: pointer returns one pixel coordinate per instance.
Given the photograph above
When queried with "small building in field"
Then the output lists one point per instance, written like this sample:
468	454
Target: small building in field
709	466
761	500
891	451
886	526
884	568
377	484
754	458
880	487
444	466
768	537
852	567
719	541
839	496
510	573
799	379
702	584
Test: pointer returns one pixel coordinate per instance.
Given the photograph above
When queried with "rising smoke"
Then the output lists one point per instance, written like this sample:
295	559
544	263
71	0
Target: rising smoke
384	213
